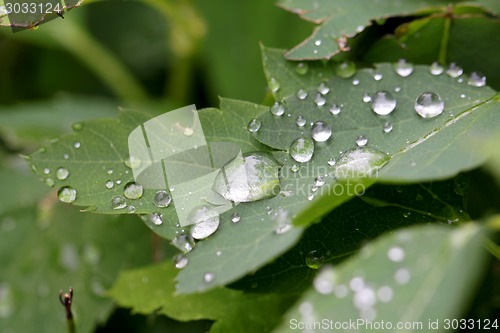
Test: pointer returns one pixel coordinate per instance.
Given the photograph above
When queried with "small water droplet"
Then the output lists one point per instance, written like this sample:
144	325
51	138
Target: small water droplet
323	89
274	85
355	82
131	210
183	242
77	145
385	294
277	109
302	68
317	42
235	217
282	220
77	126
302	150
429	105
162	199
436	68
67	194
62	173
396	254
319	181
180	261
314	260
46	171
133	191
110	184
118	202
301	121
454	70
332	161
361	141
335	109
377	76
156	218
383	103
356	283
66	156
319	100
403	68
387	127
301	94
397	89
321	131
325	281
110	171
208	277
366	98
345	69
171	188
295	168
132	162
50	182
205	222
477	80
254	125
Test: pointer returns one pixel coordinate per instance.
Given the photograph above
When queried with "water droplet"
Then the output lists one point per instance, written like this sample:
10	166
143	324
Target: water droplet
251	178
323	89
403	68
355	82
319	181
91	254
6	300
68	257
278	109
208	277
205	222
62	173
180	261
361	141
319	100
183	242
321	131
301	121
46	171
377	76
356	283
385	294
156	218
66	156
188	131
274	85
294	168
131	210
314	260
133	191
302	68
477	80
282	220
436	68
301	94
332	161
387	127
325	281
359	163
77	145
364	298
67	194
397	89
254	125
340	291
429	105
317	42
335	109
396	254
454	70
109	184
402	276
132	162
345	69
50	182
302	150
77	126
118	202
366	98
110	171
383	103
162	199
235	217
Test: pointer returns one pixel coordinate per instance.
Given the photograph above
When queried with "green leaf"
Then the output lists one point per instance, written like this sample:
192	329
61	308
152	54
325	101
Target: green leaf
152	289
420	149
58	247
430	269
340	19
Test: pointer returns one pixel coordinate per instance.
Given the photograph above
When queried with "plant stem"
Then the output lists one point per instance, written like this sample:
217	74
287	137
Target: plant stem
443	50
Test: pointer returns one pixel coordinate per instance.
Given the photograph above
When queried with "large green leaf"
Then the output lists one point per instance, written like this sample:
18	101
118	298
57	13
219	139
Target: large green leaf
152	289
429	269
420	148
56	247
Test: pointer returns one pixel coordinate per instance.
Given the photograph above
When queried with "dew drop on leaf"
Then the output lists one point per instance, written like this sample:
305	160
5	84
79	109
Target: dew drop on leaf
162	199
274	85
366	98
314	260
183	242
254	125
429	105
156	218
345	69
323	89
361	141
454	70
436	68
277	109
383	103
332	161
377	76
77	126
301	121
62	173
319	100
77	145
302	150
335	109
133	191
359	163
355	82
319	181
317	42
50	182
387	127
208	277
67	194
205	222
320	131
118	202
396	254
364	298
403	68
235	217
295	168
301	94
109	184
477	80
180	261
302	68
46	171
133	162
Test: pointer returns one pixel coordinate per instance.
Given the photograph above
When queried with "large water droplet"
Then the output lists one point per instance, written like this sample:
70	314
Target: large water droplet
301	94
251	178
235	217
302	150
323	88
361	141
67	194
183	242
403	68
477	80
6	300
254	125
325	281
302	68
387	127
345	69
335	109
429	105
62	173
180	261
383	103
133	191
314	260
162	199
436	68
454	70
205	222
319	100
118	202
301	121
359	163
278	109
274	85
321	131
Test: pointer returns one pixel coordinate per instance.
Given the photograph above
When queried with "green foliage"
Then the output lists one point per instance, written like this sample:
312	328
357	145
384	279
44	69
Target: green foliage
383	220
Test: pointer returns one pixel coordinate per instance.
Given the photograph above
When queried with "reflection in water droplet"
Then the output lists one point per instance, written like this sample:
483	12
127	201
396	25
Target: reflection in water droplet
335	109
388	127
301	121
254	125
477	80
345	69
383	103
302	68
133	191
359	163
118	202
436	68
278	109
429	105
180	261
321	131
6	300
319	100
183	242
274	85
235	217
302	150
301	94
62	173
67	194
361	141
109	184
208	277
314	260
403	68
323	89
205	222
325	281
162	199
454	70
